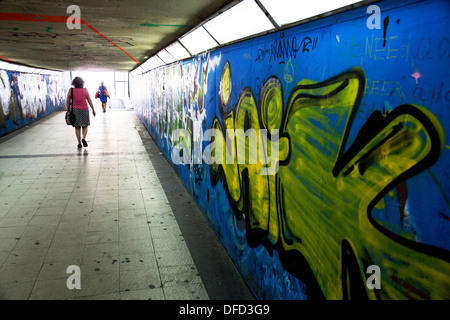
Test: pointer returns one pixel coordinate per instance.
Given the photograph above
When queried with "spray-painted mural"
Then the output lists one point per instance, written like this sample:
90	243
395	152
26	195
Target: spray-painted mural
25	97
354	121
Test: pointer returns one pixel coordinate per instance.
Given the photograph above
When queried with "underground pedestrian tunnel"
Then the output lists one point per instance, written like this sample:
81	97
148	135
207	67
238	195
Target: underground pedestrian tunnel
252	149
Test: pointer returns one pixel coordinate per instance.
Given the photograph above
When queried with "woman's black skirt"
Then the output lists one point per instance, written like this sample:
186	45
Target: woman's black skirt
81	118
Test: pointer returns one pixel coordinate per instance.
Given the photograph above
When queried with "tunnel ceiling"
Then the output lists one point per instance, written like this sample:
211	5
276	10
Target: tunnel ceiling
114	34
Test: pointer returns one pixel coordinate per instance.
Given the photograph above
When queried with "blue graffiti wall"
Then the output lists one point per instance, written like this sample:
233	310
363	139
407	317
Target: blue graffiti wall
358	204
26	97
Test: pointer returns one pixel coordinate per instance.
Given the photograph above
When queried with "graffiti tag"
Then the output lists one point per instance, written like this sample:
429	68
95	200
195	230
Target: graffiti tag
283	49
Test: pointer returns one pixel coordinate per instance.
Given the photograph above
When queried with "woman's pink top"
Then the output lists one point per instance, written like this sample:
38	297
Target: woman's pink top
79	98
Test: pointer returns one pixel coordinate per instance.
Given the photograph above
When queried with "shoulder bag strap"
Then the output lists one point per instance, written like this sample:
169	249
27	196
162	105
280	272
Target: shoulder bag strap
71	98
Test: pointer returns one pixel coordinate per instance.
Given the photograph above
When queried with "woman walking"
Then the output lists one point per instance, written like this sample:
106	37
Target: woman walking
81	98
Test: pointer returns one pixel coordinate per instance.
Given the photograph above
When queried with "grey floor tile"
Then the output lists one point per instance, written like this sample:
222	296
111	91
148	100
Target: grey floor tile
127	214
58	196
194	291
19	273
179	275
14	222
19	212
8	244
106	249
170	244
145	294
106	224
11	232
100	265
49	203
140	221
75	216
171	258
34	243
164	231
26	257
103	213
64	253
45	220
39	231
97	283
134	233
3	212
3	256
47	211
158	219
57	269
80	225
157	205
131	204
137	246
137	261
139	279
106	296
53	289
69	238
105	236
16	291
101	257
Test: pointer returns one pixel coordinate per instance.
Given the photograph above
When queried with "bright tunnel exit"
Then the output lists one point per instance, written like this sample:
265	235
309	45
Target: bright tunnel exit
115	82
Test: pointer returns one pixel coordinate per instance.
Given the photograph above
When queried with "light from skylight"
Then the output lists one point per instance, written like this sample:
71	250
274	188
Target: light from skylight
198	41
165	56
178	51
5	65
242	20
156	62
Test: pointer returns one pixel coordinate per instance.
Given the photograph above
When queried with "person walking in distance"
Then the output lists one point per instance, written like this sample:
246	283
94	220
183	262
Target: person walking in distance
81	99
103	95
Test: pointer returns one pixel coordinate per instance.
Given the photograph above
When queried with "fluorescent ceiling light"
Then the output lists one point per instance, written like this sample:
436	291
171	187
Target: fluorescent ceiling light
198	41
242	20
165	56
178	51
289	11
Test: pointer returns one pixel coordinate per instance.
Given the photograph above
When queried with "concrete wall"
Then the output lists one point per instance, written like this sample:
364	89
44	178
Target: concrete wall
360	196
26	97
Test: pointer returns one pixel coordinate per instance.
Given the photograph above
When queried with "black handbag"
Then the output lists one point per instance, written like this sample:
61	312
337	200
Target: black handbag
70	115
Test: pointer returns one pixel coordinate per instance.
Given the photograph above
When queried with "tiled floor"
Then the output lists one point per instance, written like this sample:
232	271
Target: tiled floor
106	210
